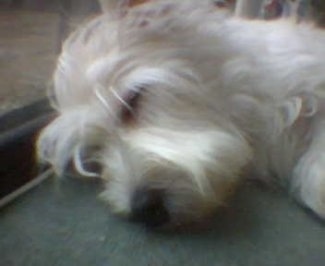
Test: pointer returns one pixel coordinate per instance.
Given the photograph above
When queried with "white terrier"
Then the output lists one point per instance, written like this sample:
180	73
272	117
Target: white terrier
179	102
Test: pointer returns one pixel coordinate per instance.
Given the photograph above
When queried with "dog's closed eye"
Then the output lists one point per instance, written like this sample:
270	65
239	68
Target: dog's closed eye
130	108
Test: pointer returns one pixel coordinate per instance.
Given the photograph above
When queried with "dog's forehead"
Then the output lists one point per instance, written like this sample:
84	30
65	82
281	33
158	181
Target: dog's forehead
145	33
161	20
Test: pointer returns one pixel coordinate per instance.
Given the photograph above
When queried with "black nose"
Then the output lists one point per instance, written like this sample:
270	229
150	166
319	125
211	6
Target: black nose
148	207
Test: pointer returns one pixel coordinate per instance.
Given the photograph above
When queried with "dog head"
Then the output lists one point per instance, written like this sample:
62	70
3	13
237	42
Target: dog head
139	93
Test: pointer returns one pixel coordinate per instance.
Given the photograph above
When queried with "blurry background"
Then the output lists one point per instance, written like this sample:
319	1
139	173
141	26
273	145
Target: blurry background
31	32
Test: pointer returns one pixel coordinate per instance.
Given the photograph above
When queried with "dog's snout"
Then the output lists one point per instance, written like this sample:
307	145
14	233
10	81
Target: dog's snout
148	207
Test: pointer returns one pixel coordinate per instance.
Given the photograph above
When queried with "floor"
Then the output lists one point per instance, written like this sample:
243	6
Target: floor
62	223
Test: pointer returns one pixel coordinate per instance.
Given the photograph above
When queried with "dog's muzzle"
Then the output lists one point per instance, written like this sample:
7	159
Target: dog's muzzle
149	208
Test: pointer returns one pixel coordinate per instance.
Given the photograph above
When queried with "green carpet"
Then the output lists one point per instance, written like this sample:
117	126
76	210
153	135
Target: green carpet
62	223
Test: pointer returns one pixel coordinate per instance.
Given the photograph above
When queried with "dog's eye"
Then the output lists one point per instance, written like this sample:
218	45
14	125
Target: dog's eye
131	104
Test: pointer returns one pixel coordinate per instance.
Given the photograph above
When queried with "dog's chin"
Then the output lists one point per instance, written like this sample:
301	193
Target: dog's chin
166	183
176	220
187	224
186	218
176	207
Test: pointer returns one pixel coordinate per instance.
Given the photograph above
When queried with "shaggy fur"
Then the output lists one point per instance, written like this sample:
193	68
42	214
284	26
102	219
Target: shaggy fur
180	98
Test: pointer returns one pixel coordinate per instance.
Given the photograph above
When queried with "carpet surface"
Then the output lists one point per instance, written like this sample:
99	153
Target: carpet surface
63	223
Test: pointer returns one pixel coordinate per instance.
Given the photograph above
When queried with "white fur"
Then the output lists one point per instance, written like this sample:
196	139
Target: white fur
220	97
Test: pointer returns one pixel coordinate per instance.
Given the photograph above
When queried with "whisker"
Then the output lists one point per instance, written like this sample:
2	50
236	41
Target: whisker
102	100
120	99
79	165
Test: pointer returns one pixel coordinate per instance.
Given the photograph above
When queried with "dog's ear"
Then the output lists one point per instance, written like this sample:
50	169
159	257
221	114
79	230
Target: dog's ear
113	5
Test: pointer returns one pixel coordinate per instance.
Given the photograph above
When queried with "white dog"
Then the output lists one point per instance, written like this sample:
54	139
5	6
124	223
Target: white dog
178	102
